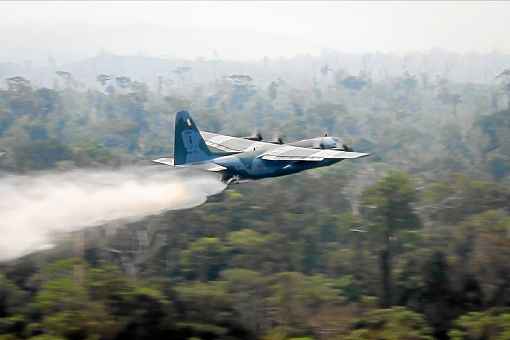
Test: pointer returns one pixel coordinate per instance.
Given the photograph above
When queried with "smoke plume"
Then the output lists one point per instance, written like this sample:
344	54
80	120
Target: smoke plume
33	207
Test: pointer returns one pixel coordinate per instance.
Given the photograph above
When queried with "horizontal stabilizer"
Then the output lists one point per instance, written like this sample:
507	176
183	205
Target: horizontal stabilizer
166	161
216	168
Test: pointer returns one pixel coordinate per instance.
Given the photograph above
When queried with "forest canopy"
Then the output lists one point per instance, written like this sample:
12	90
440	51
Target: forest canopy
410	243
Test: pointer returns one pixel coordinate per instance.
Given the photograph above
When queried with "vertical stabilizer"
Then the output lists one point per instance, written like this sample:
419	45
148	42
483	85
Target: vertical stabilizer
189	146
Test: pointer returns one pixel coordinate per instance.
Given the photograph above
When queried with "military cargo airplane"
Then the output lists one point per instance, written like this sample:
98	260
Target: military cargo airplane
250	158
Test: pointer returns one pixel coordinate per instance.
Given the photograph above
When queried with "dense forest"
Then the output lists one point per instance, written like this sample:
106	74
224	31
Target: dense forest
412	242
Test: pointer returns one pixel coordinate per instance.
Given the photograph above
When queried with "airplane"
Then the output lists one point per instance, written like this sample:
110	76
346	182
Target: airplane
250	158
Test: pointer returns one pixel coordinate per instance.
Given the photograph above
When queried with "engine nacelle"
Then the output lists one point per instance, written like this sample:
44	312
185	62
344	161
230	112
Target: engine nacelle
324	142
327	143
257	137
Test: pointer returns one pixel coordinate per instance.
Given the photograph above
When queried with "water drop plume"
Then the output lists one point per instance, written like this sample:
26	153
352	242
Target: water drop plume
33	207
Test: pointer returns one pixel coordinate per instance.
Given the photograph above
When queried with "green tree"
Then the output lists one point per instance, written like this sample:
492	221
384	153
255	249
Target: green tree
396	323
489	325
482	247
204	258
437	296
249	291
65	306
247	248
388	209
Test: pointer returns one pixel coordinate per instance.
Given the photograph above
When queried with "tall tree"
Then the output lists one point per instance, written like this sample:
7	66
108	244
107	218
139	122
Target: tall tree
388	208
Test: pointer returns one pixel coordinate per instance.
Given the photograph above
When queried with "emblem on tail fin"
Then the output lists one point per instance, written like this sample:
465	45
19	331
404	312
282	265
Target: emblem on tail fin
189	146
190	140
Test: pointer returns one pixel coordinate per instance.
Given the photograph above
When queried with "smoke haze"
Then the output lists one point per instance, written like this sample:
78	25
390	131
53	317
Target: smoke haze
34	207
248	30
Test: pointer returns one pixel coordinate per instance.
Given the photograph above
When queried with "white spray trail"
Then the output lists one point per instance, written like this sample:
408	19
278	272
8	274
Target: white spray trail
34	207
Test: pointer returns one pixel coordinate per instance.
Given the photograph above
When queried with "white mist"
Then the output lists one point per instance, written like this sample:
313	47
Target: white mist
33	207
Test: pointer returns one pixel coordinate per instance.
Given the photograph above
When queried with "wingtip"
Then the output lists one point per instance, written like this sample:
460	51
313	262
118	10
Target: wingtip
359	155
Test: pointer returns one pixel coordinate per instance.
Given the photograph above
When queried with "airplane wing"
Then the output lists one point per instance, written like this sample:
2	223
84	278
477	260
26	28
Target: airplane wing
229	143
295	153
275	152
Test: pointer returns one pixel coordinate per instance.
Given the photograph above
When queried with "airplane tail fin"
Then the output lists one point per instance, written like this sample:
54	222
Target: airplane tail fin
189	145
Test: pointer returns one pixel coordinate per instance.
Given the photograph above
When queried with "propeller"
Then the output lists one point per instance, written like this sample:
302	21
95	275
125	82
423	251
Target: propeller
277	139
255	136
347	146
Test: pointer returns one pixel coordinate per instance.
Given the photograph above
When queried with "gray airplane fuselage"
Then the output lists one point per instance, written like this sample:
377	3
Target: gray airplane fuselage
248	165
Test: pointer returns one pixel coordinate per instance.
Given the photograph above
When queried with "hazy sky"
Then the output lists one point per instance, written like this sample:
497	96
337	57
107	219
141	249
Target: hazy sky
251	30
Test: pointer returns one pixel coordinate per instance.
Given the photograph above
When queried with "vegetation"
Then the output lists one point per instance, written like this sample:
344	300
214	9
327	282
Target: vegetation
411	243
